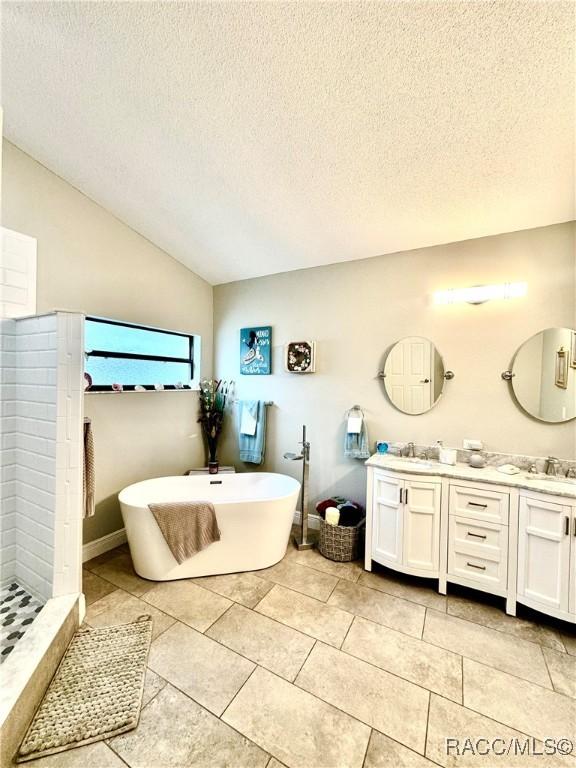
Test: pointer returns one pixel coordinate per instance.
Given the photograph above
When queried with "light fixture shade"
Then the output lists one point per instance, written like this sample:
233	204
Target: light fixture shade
478	294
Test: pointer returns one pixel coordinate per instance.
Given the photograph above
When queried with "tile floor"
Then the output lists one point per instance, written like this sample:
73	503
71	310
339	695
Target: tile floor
18	609
321	665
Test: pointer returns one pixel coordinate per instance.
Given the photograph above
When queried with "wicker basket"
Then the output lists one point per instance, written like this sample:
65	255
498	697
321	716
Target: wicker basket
340	542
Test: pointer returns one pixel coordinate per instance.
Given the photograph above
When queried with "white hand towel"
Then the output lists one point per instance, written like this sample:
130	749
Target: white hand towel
354	425
248	423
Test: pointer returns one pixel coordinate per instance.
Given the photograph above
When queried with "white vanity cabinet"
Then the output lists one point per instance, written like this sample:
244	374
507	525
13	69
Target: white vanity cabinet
468	527
478	533
547	554
405	523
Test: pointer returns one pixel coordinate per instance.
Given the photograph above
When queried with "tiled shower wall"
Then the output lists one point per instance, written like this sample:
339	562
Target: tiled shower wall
7	460
41	405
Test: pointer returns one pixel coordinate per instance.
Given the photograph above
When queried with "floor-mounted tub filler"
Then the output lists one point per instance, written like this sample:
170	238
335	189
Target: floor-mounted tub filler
301	539
254	511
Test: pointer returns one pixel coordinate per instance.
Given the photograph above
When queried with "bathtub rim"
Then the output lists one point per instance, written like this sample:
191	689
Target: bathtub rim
236	500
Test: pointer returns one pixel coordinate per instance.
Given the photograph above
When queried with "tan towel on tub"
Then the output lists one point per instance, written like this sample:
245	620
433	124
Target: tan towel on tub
187	526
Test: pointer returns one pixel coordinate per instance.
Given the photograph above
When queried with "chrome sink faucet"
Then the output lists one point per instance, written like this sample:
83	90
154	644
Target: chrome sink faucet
552	465
411	451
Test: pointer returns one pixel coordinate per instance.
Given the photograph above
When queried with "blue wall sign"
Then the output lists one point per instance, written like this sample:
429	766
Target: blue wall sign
256	351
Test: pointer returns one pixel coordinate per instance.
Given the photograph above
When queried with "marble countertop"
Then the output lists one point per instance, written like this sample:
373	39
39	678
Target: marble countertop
489	474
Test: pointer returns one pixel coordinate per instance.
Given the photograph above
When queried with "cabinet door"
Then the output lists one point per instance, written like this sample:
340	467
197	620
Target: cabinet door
387	519
422	525
572	585
544	551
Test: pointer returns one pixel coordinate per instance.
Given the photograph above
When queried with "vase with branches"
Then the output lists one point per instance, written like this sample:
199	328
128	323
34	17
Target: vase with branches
213	396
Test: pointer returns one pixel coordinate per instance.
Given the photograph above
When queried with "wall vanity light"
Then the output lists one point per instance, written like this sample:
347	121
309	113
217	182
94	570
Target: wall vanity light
478	294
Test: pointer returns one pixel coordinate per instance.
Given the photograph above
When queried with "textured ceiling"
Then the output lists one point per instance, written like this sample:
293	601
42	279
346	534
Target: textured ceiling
250	138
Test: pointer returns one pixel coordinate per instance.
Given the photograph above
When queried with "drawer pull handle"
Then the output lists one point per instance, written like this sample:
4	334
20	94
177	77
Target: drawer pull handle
575	525
474	504
480	567
567	526
476	535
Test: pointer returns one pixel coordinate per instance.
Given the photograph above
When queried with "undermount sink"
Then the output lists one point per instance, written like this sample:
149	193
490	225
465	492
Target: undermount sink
551	478
422	463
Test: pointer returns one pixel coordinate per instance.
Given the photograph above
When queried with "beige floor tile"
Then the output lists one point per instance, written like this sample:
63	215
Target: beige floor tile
120	608
517	703
94	587
175	732
387	610
120	571
386	753
200	667
306	580
427	665
324	622
495	618
189	603
313	559
153	684
295	727
96	755
562	668
569	640
465	728
402	586
280	649
244	588
509	654
383	701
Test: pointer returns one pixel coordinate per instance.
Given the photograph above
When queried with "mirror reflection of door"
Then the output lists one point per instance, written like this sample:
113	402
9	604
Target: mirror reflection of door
414	375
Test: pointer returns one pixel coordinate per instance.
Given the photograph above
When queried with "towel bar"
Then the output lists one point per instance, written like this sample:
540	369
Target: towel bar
266	402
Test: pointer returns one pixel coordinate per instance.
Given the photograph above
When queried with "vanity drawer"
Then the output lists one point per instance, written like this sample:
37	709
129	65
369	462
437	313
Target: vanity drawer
479	569
485	540
479	504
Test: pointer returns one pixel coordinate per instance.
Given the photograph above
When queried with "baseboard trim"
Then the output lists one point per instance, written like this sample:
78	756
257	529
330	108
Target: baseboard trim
103	544
313	520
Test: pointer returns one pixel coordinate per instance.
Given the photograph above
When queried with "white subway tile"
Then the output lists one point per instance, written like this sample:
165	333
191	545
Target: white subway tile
36	479
33	518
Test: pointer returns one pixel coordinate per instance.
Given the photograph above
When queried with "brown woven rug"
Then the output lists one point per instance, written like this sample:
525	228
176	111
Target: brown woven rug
96	692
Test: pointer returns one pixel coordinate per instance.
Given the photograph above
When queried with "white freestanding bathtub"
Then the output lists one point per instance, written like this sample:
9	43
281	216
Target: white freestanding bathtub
254	511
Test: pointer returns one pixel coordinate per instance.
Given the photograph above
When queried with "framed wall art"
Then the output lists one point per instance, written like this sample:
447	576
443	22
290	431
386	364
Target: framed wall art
256	350
300	357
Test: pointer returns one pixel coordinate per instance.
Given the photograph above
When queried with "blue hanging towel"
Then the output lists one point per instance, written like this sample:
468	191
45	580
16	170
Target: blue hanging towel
356	438
252	441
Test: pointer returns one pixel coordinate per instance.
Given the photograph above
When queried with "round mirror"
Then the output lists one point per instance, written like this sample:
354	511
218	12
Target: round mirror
414	375
544	375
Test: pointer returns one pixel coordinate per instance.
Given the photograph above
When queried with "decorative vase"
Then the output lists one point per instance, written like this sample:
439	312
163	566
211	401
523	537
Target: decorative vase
213	395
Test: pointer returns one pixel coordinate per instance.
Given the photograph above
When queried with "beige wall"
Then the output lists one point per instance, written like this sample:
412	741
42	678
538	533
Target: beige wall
356	310
88	261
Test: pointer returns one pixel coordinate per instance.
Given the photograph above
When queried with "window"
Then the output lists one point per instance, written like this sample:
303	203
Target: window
136	356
